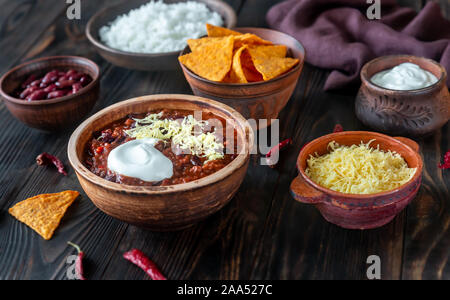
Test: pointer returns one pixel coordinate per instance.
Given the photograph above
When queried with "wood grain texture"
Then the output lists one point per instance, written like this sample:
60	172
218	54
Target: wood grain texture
261	234
22	23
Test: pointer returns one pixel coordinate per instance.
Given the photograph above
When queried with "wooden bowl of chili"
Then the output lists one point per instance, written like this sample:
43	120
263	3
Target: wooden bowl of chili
159	207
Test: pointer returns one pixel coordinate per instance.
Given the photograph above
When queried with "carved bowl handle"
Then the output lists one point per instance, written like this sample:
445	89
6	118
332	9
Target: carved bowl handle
303	192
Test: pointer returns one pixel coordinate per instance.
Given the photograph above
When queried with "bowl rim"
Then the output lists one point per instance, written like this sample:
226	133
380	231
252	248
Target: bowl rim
326	191
97	43
83	91
408	58
278	78
228	170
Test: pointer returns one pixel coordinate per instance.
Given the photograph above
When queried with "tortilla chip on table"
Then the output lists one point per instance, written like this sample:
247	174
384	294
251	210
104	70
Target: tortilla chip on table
44	212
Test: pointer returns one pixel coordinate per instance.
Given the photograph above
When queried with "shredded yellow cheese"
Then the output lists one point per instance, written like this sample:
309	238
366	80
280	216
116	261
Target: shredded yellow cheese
359	169
187	134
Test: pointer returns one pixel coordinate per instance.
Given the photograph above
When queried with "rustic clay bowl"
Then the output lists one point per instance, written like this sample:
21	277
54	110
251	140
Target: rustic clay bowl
411	113
142	61
161	208
258	100
358	211
53	114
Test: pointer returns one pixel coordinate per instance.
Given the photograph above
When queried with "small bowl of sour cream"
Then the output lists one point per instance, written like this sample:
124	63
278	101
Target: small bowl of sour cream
403	95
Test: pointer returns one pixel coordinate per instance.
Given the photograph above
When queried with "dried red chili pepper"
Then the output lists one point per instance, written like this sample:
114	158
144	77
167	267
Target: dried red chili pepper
270	155
338	128
139	259
45	159
446	164
278	147
79	262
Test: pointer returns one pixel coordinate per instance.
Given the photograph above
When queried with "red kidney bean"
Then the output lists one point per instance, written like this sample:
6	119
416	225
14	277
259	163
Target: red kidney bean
29	80
75	77
35	83
53	84
37	95
71	72
85	80
62	78
50	77
64	83
43	85
51	88
28	91
76	87
56	94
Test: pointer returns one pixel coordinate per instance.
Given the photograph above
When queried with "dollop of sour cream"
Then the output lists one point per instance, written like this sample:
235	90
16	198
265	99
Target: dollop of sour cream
404	77
140	159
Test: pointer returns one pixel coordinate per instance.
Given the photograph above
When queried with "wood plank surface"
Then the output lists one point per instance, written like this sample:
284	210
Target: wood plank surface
262	234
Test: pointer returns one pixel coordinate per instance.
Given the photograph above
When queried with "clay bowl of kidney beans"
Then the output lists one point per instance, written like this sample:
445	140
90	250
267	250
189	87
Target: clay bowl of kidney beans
51	93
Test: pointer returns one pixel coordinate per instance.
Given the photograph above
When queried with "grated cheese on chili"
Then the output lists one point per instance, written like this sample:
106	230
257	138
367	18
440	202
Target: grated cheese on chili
185	134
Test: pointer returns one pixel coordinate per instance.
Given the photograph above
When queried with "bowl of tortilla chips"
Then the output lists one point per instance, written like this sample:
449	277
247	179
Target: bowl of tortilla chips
253	70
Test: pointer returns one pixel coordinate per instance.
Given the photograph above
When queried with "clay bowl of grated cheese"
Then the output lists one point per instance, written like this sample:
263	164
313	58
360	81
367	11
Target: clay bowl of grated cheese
153	185
148	35
358	179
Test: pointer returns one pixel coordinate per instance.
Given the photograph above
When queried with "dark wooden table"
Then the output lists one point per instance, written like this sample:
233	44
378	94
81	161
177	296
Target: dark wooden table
262	234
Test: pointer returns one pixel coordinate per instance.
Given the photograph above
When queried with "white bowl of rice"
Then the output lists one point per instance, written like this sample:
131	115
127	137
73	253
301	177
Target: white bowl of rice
149	34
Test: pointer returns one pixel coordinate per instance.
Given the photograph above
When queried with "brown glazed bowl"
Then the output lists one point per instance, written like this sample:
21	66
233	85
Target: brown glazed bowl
161	208
358	211
258	100
142	61
410	113
53	114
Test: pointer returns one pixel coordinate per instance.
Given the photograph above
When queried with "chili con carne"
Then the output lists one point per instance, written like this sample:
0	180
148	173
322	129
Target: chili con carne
186	167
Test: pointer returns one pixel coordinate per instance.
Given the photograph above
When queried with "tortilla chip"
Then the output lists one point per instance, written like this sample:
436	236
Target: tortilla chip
213	60
270	50
239	41
270	66
249	39
228	78
44	212
250	72
237	73
216	31
197	45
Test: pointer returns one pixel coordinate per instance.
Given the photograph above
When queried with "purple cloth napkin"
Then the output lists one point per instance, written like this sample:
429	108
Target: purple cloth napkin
338	35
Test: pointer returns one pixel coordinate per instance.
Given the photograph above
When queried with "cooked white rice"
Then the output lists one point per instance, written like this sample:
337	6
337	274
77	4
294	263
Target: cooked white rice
157	27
